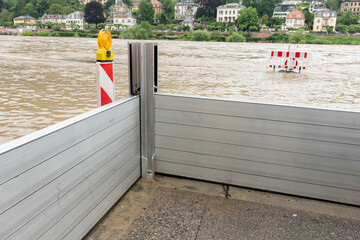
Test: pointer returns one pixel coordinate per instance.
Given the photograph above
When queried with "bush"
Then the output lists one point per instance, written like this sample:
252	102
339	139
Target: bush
158	35
216	36
253	39
235	37
141	31
342	28
321	41
278	38
297	37
200	35
27	33
253	29
44	34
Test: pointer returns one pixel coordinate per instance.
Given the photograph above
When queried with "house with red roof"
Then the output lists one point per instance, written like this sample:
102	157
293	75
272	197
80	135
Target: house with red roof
295	19
158	7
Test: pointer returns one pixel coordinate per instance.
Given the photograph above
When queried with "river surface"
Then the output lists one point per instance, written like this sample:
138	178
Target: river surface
47	80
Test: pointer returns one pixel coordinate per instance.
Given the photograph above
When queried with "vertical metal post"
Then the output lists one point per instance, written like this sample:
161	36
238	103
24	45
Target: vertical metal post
143	76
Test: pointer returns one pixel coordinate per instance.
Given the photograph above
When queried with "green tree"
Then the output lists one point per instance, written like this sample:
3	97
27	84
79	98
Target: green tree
146	11
265	20
200	35
2	4
235	37
5	16
248	17
42	6
169	6
107	6
219	26
19	8
333	4
94	13
30	9
354	28
262	7
56	9
342	28
297	37
348	18
127	3
142	31
207	8
329	29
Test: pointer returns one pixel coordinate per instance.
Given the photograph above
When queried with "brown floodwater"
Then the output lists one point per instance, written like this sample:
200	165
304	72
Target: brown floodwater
47	80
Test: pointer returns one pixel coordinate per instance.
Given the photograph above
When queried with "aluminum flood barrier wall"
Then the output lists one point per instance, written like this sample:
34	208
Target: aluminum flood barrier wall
302	151
58	182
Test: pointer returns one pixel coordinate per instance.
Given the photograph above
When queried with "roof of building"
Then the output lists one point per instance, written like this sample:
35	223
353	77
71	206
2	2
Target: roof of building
284	7
231	5
185	3
48	16
350	0
77	13
24	17
295	14
322	13
157	4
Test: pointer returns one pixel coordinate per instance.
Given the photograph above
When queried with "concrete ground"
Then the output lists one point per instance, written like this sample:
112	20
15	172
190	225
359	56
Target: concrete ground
176	208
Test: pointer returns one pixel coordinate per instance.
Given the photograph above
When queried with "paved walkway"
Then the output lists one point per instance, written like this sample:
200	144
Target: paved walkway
175	208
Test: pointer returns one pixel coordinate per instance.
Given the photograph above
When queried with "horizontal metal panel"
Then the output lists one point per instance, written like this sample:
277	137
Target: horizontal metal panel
92	188
298	160
130	172
260	140
260	182
22	154
304	175
277	112
269	127
30	181
105	204
297	150
20	213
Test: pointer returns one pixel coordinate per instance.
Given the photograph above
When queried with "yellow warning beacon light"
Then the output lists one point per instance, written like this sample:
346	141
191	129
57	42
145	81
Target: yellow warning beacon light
104	52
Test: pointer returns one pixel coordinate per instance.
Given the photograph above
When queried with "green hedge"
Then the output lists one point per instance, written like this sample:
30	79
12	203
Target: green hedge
253	39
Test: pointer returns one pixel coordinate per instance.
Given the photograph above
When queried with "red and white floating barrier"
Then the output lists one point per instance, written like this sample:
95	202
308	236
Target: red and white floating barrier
105	83
288	61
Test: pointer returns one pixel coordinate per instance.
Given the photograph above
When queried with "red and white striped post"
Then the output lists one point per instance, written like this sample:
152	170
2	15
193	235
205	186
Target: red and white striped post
105	69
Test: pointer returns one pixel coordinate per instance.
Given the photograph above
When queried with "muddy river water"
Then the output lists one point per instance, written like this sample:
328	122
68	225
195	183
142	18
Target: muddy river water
47	80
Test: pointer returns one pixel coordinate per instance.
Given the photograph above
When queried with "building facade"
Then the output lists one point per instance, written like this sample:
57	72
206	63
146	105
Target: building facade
53	18
158	7
228	13
324	18
24	19
75	20
315	6
120	14
351	5
295	19
87	1
185	9
282	10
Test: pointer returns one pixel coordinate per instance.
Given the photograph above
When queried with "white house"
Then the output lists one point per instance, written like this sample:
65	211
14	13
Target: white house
282	10
185	9
120	14
228	13
295	19
53	18
75	19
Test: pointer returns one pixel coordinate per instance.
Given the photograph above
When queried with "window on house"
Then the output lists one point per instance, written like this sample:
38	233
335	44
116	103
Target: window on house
317	27
318	21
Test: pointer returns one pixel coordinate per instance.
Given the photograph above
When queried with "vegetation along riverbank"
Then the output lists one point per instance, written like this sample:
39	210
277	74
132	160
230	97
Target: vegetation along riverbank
333	22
